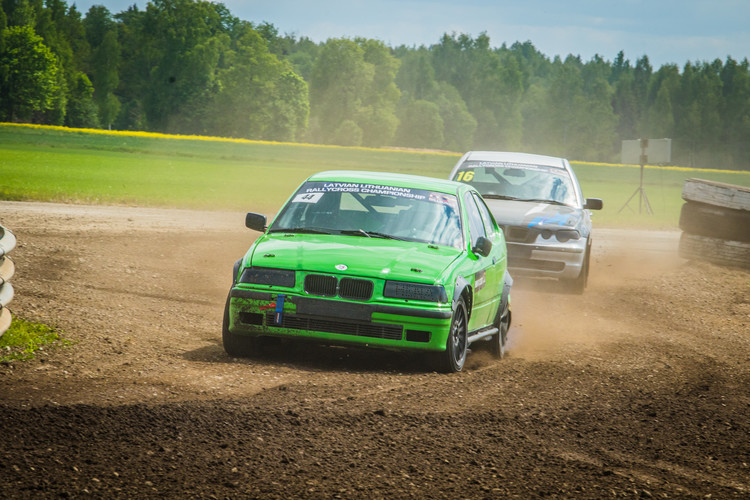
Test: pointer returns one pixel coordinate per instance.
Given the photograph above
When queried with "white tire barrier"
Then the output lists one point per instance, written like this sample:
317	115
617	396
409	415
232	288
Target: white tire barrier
7	269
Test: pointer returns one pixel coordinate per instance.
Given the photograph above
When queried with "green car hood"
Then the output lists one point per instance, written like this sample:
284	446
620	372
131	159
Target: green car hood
361	256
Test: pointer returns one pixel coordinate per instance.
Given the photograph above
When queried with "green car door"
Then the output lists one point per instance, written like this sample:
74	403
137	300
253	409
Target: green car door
485	265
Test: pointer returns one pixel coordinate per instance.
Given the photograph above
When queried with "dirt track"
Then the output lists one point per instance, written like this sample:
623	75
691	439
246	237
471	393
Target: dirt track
637	389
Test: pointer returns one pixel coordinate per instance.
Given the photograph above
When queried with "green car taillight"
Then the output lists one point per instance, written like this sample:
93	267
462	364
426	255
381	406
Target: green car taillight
268	276
415	291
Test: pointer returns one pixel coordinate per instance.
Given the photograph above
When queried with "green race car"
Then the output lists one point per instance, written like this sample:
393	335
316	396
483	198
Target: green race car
374	260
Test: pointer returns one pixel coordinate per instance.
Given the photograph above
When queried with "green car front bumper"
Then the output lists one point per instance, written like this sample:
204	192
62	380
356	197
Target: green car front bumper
340	322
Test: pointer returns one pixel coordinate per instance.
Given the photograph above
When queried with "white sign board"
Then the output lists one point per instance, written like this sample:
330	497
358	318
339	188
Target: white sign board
658	152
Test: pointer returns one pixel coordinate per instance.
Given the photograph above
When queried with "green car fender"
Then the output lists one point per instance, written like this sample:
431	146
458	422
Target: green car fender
505	297
235	271
463	288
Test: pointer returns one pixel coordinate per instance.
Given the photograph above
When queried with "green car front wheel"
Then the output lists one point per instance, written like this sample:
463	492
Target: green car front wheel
453	358
237	346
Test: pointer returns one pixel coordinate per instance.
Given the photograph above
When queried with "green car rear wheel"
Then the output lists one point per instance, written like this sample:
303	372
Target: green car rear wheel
497	342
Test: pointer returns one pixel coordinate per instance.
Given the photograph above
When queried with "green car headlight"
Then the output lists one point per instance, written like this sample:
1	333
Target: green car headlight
268	276
415	291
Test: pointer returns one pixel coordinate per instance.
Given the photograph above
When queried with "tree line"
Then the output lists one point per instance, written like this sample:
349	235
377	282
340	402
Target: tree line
191	67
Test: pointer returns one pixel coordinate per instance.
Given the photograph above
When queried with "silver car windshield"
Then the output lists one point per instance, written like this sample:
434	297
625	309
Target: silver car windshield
373	211
519	181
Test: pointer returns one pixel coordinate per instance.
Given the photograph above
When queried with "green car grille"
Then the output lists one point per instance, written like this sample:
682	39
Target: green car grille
355	289
374	330
346	288
318	284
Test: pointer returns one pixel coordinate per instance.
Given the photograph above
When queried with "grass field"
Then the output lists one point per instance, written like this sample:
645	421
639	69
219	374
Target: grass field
140	169
24	338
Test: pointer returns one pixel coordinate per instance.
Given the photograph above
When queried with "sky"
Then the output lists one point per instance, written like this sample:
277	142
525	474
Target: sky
667	31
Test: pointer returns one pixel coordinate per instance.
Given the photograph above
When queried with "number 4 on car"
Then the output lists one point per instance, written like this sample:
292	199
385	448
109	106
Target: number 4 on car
375	260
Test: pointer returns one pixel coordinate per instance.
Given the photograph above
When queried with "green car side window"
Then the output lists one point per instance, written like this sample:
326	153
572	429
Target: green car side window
487	219
476	225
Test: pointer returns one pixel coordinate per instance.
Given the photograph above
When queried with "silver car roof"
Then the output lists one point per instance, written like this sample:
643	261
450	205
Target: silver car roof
533	159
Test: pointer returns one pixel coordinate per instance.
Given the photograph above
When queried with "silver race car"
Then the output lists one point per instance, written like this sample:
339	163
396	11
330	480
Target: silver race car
538	202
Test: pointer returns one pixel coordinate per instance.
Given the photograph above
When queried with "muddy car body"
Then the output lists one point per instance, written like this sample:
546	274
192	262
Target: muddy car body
374	260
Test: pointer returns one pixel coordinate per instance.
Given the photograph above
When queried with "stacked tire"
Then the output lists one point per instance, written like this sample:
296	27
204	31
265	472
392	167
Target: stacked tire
715	223
7	269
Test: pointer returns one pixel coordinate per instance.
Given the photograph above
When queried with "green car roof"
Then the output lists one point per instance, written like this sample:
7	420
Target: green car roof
390	179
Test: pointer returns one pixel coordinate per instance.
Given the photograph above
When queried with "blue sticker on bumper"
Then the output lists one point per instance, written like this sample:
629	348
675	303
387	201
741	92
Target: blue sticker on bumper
279	313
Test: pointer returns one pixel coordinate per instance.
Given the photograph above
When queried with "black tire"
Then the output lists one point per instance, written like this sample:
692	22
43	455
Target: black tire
498	341
714	250
715	222
237	346
579	284
457	346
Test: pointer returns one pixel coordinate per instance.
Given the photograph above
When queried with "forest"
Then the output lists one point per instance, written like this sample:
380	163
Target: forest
191	67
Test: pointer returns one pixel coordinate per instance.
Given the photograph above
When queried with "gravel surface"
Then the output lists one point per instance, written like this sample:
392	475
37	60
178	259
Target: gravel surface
638	388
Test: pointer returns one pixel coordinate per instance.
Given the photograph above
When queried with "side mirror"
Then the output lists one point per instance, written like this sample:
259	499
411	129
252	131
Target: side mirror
256	222
482	247
593	204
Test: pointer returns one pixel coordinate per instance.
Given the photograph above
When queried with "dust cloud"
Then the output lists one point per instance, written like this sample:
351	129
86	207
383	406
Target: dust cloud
548	321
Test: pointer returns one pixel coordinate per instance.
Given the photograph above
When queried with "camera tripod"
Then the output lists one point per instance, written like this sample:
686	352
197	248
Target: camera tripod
642	198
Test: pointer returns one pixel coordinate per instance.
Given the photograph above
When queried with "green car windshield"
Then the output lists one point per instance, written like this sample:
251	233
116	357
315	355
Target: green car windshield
371	210
519	181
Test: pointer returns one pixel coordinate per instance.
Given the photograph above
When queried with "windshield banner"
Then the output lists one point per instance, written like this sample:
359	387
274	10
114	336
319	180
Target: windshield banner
311	192
508	164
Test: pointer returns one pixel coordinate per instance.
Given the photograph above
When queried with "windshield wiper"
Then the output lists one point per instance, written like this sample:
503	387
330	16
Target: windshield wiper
386	236
303	230
371	234
500	197
542	200
356	232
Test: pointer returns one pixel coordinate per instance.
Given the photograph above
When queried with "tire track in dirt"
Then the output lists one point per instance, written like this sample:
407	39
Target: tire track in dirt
636	388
